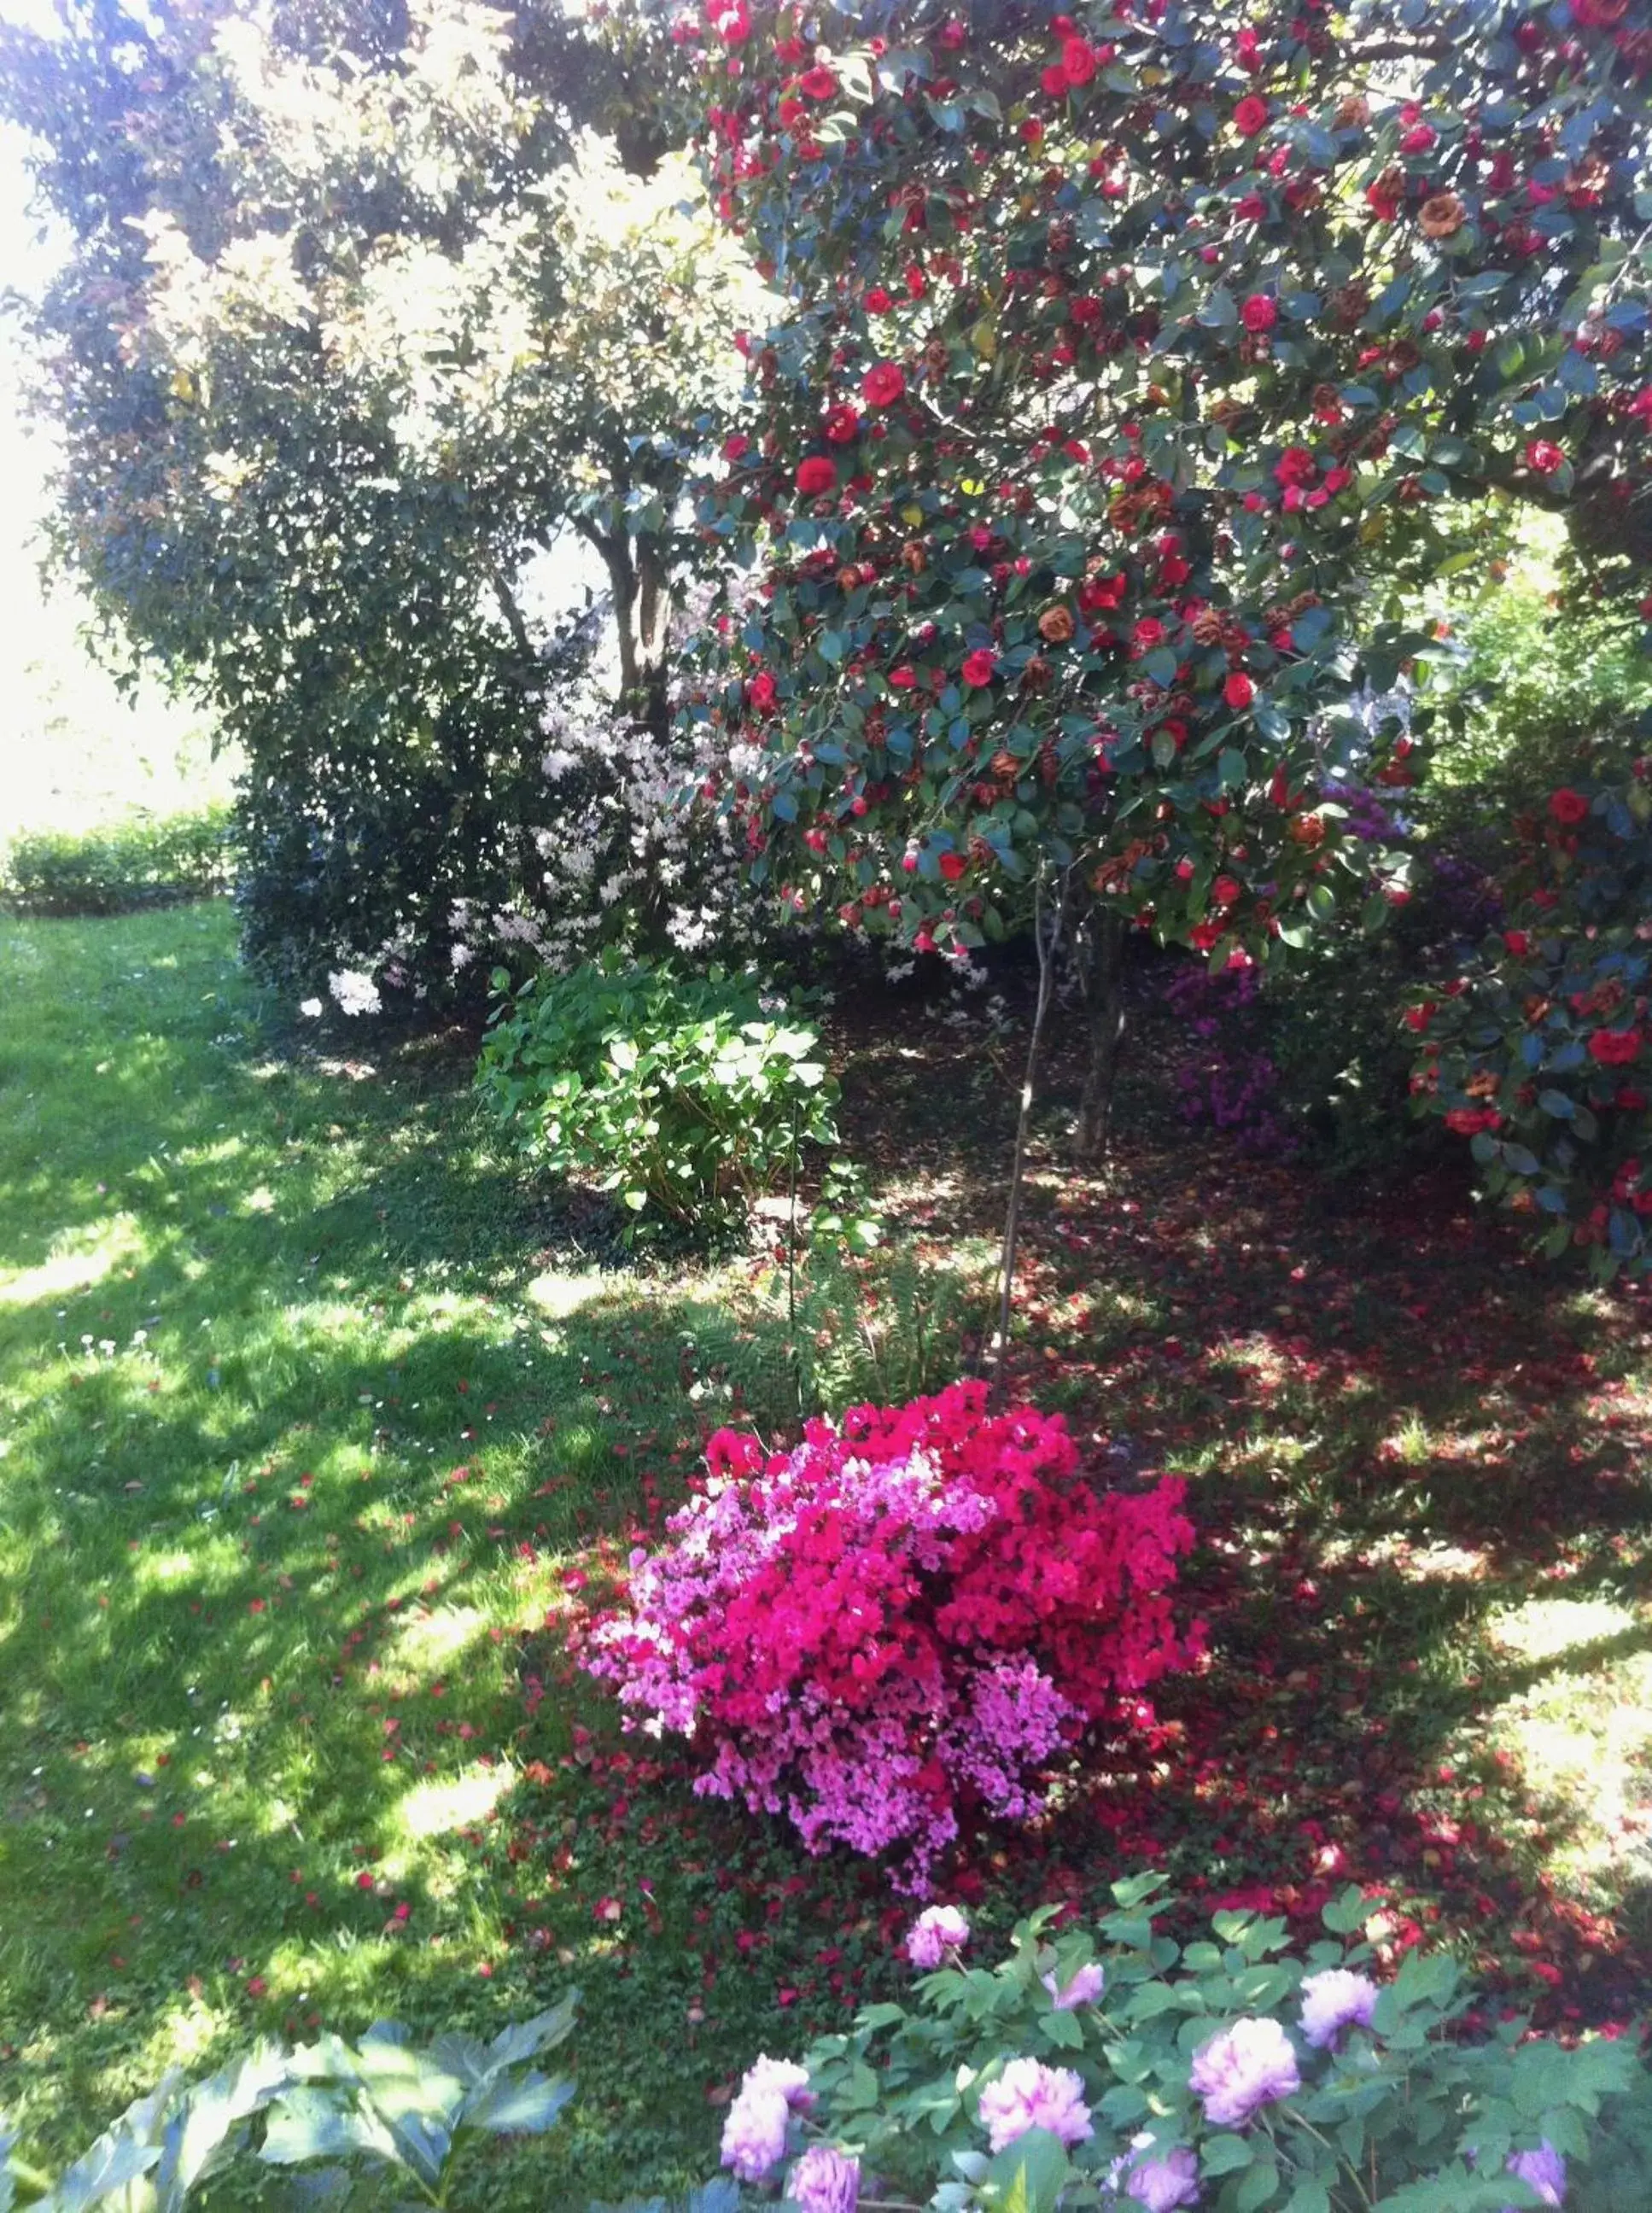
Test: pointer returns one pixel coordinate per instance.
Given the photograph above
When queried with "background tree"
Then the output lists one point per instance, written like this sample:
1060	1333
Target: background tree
368	310
1126	354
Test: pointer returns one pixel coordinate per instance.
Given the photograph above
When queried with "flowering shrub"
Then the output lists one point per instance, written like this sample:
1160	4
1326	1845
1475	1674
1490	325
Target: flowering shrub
1221	2075
1535	1050
902	1620
1121	349
675	1092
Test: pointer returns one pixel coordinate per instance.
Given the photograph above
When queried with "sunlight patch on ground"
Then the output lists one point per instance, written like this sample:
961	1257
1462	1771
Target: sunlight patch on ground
427	1644
1582	1734
557	1296
79	1258
437	1808
1428	1564
1545	1628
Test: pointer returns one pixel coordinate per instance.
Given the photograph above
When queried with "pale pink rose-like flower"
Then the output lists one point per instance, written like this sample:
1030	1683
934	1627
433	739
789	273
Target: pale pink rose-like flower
1243	2068
824	2181
1030	2095
1164	2186
937	1930
1543	2170
1084	1988
755	2132
1334	2001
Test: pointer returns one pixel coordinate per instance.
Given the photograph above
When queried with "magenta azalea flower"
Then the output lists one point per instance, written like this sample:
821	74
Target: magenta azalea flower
1334	2001
1030	2095
1244	2068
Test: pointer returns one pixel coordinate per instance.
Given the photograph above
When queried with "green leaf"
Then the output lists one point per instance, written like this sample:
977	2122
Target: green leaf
1029	2175
1225	2155
524	2106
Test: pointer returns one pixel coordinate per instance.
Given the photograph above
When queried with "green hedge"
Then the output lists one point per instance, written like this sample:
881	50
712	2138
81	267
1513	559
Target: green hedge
140	863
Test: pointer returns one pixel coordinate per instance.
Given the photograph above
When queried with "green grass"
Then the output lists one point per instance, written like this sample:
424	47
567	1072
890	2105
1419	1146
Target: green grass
314	1415
306	1404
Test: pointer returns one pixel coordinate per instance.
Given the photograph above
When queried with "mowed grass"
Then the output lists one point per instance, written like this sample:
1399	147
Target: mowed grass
319	1424
307	1403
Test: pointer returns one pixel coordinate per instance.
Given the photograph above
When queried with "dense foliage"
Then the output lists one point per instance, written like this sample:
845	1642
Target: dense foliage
676	1093
1533	1050
369	321
1225	2075
898	1626
1122	351
139	863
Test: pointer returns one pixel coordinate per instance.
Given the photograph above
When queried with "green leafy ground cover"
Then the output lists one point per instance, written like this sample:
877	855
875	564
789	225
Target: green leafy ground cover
318	1423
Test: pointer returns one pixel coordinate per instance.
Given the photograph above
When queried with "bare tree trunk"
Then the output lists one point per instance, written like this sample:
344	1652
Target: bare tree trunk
1046	946
1101	976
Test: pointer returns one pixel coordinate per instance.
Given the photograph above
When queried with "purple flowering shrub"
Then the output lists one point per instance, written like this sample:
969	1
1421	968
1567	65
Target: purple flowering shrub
1117	2068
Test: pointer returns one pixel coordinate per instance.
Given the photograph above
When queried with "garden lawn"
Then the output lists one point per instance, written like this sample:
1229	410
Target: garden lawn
306	1406
320	1428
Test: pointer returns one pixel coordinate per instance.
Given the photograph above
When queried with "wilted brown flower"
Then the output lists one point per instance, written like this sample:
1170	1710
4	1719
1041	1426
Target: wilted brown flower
1441	215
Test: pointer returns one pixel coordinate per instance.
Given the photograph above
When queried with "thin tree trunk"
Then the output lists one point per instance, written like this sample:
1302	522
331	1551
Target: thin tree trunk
1102	975
1046	953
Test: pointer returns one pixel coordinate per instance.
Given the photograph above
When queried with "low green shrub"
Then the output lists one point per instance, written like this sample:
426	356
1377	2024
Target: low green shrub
680	1095
147	862
1140	2073
379	2108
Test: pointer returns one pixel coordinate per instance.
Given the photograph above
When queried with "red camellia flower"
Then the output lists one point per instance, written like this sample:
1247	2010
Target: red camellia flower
1518	942
1567	806
883	384
760	691
729	20
904	679
878	302
1543	455
1469	1121
815	475
978	666
842	425
1078	59
1239	690
817	83
953	865
1614	1048
1251	115
736	446
1259	312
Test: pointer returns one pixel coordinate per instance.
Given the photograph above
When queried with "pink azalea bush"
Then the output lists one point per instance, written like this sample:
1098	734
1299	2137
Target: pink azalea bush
901	1618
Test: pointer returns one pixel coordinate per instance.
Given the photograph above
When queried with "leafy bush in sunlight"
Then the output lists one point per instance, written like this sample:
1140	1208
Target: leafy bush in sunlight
681	1095
379	2108
1139	2073
141	863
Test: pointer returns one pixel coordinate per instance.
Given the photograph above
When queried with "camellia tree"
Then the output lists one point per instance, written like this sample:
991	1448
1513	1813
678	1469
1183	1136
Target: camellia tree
1126	351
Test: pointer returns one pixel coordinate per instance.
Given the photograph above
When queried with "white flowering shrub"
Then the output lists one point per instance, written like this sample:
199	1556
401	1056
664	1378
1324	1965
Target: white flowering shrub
1116	2068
